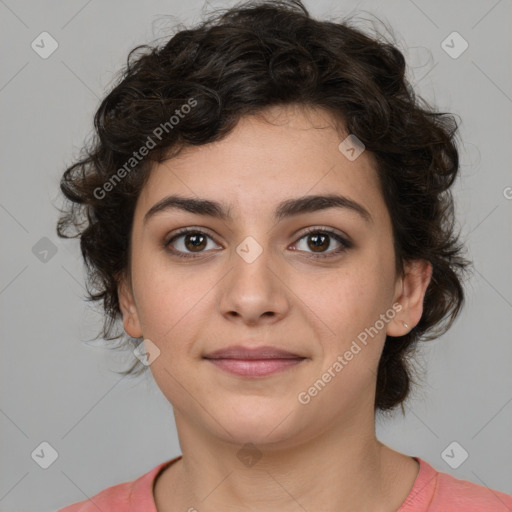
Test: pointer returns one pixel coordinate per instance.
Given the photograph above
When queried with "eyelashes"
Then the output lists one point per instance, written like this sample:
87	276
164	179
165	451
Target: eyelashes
326	233
183	233
199	238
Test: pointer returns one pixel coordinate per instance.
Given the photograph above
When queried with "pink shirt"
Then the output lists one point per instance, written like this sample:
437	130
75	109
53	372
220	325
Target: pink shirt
432	492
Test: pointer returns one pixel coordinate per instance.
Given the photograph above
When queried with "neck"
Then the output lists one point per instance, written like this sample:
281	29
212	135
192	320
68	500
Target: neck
342	470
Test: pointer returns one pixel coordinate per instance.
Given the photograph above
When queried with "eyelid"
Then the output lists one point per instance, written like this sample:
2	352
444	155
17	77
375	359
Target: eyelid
341	238
184	231
324	229
188	229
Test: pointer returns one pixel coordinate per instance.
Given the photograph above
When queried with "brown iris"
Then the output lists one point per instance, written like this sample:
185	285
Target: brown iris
197	241
320	241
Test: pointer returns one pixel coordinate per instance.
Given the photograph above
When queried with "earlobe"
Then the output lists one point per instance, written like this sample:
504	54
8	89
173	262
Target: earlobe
131	321
411	294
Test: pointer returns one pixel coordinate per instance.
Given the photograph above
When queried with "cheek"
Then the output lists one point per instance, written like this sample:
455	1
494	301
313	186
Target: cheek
169	299
347	302
350	294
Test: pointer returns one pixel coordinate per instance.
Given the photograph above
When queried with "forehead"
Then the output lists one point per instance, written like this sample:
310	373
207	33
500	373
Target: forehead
267	158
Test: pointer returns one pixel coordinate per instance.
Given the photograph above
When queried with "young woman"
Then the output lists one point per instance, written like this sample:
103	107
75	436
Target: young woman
267	208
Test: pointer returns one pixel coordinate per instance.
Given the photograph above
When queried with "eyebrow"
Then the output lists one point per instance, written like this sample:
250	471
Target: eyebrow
288	208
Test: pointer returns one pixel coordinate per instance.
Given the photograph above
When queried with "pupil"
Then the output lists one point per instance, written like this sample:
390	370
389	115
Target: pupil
317	245
196	241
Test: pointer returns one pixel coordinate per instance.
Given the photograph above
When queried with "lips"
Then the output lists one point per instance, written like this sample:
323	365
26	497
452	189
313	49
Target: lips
253	362
246	353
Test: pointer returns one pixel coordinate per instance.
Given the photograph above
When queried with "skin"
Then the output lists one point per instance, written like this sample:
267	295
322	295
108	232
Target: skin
319	456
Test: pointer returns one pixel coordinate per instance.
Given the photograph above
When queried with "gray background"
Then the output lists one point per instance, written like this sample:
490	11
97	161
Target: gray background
107	429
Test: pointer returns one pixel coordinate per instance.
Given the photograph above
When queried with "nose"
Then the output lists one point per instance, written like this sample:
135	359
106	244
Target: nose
254	292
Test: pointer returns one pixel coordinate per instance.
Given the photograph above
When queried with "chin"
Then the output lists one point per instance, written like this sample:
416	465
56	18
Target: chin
260	424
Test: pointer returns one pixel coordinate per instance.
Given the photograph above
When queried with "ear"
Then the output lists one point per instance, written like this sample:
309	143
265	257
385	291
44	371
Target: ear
131	322
410	293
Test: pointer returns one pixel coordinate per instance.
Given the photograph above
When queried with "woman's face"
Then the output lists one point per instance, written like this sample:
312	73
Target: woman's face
260	279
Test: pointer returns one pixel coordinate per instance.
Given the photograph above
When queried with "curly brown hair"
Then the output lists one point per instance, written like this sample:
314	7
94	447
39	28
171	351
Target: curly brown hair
236	63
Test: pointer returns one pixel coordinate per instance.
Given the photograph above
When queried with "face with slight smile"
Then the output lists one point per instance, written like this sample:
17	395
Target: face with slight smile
308	282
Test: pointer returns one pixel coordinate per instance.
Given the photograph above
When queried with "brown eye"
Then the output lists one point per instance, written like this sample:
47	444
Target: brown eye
195	242
187	242
319	241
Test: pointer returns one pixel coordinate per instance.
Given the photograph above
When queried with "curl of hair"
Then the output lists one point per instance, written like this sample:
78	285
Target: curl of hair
238	63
